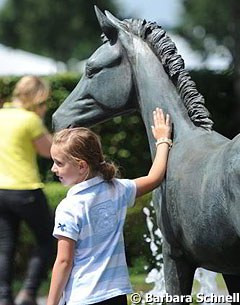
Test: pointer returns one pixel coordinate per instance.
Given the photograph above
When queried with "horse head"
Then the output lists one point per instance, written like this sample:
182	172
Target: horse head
137	67
106	87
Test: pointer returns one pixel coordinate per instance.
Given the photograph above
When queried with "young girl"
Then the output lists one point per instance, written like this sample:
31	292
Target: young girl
90	266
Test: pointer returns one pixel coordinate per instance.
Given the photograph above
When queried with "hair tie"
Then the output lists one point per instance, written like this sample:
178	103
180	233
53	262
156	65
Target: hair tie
103	162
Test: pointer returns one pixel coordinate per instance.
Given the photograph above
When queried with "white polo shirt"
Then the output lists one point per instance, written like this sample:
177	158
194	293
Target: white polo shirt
93	214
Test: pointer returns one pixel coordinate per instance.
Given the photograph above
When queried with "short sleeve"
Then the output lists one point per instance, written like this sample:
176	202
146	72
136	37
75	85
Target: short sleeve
66	222
130	191
35	126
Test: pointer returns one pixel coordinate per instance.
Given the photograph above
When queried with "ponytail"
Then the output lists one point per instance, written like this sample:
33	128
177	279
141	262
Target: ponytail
108	170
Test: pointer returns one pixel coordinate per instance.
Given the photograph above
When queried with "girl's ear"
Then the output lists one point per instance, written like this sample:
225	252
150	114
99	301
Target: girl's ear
83	165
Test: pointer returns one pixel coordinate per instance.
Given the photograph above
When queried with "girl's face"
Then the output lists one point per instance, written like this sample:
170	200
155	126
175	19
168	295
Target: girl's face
67	172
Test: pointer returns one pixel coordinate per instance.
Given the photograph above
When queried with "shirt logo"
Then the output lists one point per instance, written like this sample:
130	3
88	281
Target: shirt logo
104	218
61	226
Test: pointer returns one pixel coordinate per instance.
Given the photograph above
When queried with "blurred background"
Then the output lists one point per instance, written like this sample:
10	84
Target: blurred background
54	38
48	37
65	32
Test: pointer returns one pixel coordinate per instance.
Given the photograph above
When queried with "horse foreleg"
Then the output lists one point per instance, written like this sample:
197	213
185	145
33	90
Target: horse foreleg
178	274
233	284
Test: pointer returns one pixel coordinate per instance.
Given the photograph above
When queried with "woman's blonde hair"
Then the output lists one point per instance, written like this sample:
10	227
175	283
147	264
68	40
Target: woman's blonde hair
83	144
31	91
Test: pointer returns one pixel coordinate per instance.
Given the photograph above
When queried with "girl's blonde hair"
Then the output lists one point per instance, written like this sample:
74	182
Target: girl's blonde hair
31	91
83	144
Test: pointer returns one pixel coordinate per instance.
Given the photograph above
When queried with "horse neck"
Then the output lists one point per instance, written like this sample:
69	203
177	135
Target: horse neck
155	89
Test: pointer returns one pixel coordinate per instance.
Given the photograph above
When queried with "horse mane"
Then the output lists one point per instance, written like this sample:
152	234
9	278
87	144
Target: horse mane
173	64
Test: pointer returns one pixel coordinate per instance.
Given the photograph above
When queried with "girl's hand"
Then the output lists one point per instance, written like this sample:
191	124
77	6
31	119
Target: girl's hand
162	127
162	132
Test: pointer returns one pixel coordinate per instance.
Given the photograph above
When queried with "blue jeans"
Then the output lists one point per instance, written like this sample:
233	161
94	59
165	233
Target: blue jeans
29	206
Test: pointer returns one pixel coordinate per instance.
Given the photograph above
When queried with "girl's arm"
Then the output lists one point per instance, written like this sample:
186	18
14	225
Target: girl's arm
61	269
161	130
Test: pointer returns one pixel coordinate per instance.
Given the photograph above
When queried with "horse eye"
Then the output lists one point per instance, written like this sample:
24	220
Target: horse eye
90	72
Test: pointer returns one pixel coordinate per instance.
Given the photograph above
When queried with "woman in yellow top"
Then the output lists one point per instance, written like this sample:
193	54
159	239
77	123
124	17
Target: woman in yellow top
23	136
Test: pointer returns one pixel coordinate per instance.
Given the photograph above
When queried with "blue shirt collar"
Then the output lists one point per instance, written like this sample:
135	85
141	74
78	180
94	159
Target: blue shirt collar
84	185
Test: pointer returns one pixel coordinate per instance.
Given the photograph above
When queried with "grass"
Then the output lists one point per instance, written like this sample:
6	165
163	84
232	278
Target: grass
139	284
138	274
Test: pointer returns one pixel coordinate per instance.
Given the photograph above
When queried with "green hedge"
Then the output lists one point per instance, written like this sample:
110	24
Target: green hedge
218	91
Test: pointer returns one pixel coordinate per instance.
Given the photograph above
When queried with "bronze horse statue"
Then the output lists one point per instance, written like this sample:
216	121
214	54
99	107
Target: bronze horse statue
137	68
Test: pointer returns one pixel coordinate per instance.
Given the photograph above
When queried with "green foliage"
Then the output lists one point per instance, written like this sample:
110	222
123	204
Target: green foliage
61	87
218	92
121	138
204	21
135	230
55	192
6	87
58	29
212	27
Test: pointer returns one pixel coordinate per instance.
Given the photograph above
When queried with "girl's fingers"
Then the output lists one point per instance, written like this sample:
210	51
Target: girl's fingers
161	123
155	118
160	115
159	118
167	119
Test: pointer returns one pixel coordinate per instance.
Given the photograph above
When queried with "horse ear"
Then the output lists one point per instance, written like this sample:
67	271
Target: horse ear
118	24
113	19
106	25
